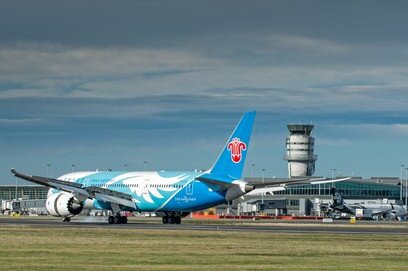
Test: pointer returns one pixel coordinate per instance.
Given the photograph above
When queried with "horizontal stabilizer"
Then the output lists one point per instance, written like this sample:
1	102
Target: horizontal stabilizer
299	181
282	184
271	190
212	179
329	181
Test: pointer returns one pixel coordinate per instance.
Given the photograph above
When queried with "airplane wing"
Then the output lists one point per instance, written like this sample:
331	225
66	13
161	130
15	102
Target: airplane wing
92	192
282	184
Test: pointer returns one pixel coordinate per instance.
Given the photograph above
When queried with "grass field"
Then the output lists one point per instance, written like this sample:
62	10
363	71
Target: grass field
34	248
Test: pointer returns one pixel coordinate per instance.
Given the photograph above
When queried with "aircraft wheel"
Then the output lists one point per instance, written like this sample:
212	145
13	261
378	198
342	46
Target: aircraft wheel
111	220
66	219
117	220
178	220
165	220
124	219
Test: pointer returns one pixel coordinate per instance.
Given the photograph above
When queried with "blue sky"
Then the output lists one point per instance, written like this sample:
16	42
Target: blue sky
101	84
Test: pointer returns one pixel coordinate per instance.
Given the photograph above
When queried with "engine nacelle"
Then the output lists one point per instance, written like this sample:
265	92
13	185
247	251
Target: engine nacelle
390	216
63	205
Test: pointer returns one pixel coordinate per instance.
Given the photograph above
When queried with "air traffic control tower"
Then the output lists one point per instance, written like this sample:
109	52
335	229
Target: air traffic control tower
299	150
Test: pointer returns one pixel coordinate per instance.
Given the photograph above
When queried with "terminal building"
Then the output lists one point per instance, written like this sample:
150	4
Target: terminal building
25	192
357	188
23	198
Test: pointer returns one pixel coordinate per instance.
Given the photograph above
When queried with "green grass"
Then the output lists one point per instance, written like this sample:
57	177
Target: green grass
104	248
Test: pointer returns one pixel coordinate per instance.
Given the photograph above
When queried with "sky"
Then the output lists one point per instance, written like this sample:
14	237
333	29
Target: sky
104	84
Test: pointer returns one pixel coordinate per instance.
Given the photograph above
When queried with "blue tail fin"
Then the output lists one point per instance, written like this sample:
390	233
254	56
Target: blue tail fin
230	163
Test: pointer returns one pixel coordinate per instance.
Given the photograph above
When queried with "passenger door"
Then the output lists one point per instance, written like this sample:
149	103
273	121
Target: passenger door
190	188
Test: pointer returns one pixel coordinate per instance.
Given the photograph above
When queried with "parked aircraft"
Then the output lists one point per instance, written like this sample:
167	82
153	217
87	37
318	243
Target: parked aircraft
171	195
387	211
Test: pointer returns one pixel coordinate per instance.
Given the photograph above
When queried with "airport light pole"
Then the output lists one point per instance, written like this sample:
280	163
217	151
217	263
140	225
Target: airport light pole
252	171
401	167
406	194
72	167
406	187
144	165
263	181
48	166
126	167
332	171
16	187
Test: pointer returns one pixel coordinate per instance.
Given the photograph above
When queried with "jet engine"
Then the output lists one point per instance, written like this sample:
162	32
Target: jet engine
63	205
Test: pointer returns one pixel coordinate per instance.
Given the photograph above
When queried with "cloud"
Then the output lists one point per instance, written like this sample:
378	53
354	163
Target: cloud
355	134
161	79
164	24
270	72
34	60
18	121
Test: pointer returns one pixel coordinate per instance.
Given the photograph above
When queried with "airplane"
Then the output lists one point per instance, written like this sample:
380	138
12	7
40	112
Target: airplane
171	195
387	211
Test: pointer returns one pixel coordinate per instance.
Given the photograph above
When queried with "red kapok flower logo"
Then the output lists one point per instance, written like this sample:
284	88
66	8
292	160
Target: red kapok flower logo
236	146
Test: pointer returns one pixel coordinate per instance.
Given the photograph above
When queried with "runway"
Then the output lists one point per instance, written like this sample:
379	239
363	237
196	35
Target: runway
398	228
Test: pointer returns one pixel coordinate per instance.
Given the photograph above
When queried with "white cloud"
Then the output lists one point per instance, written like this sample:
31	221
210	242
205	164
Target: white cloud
19	121
65	62
352	133
305	43
46	70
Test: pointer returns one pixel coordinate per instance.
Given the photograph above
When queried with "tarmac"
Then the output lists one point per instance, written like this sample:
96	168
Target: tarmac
312	227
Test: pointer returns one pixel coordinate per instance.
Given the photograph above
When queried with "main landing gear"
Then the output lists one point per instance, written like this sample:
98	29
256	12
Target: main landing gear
117	219
66	219
171	219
